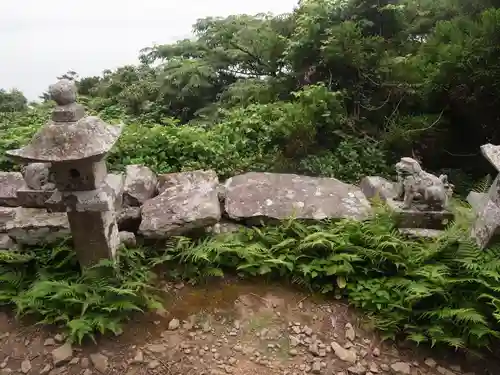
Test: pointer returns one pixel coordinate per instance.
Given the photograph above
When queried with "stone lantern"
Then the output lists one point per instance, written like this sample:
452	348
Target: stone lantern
75	145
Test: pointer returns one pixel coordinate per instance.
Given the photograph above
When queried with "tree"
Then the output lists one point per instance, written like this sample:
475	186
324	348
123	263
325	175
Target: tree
397	77
12	101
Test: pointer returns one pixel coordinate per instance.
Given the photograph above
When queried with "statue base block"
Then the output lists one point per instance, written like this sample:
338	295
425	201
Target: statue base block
419	216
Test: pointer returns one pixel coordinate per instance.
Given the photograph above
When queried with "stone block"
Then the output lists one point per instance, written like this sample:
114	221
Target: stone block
33	198
188	201
186	180
34	226
419	216
10	183
68	113
375	186
255	197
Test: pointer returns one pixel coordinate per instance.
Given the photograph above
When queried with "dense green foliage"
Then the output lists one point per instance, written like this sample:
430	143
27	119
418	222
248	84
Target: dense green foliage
12	101
337	87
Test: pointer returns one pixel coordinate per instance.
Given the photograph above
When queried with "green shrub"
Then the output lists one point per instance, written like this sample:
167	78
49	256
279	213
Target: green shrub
16	129
352	160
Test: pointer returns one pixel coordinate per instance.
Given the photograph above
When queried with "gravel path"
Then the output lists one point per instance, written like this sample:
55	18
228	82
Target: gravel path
227	328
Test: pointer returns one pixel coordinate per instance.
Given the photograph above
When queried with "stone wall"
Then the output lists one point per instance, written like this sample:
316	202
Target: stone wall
157	207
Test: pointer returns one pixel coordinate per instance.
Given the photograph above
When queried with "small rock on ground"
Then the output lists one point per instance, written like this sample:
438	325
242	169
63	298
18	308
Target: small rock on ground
401	368
25	366
100	362
62	354
174	324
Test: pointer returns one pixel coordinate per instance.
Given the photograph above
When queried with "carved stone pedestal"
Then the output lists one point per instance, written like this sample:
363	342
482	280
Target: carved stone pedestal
419	217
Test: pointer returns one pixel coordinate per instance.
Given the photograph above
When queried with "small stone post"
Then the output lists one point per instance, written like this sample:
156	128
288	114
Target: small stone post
486	227
75	145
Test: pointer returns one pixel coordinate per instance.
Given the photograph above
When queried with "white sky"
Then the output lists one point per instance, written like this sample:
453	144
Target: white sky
41	39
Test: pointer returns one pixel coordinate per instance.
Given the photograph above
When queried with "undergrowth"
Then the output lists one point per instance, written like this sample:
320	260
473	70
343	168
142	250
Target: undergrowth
440	292
47	283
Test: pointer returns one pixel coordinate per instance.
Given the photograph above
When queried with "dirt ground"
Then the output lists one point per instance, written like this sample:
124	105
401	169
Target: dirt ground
229	327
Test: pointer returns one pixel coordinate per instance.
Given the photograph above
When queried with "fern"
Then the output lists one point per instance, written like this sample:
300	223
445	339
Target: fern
47	282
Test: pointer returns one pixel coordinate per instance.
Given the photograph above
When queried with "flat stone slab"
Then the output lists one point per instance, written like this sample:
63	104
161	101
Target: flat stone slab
10	183
33	198
35	226
375	186
273	196
419	217
187	201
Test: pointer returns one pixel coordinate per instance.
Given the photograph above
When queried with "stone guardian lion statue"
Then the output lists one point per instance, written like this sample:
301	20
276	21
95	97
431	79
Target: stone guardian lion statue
416	185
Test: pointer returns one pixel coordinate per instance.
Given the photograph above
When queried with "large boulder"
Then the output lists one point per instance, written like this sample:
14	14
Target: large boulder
253	197
187	201
34	226
140	185
10	183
